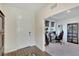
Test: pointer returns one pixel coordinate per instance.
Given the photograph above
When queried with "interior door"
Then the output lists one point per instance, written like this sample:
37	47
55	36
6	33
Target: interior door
1	34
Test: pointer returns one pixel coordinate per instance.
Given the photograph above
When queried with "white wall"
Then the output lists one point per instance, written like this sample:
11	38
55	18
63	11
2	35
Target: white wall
10	29
0	6
41	16
18	24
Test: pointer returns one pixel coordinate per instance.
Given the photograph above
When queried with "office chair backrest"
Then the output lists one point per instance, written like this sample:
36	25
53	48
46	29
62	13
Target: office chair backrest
61	35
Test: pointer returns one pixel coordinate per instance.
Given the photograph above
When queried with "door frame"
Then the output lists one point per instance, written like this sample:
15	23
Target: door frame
3	23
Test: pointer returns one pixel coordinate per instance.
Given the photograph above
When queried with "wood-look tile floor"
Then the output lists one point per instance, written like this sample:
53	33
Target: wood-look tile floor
28	51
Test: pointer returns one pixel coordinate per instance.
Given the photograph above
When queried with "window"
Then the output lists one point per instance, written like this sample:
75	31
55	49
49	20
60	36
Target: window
52	24
47	23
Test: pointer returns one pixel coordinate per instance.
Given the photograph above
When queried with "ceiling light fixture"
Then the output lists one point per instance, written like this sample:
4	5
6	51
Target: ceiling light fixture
68	11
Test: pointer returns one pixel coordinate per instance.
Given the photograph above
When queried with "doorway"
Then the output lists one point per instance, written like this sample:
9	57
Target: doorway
1	33
49	28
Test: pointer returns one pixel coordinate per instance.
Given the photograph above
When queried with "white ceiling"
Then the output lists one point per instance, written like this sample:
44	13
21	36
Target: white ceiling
74	12
35	7
30	6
